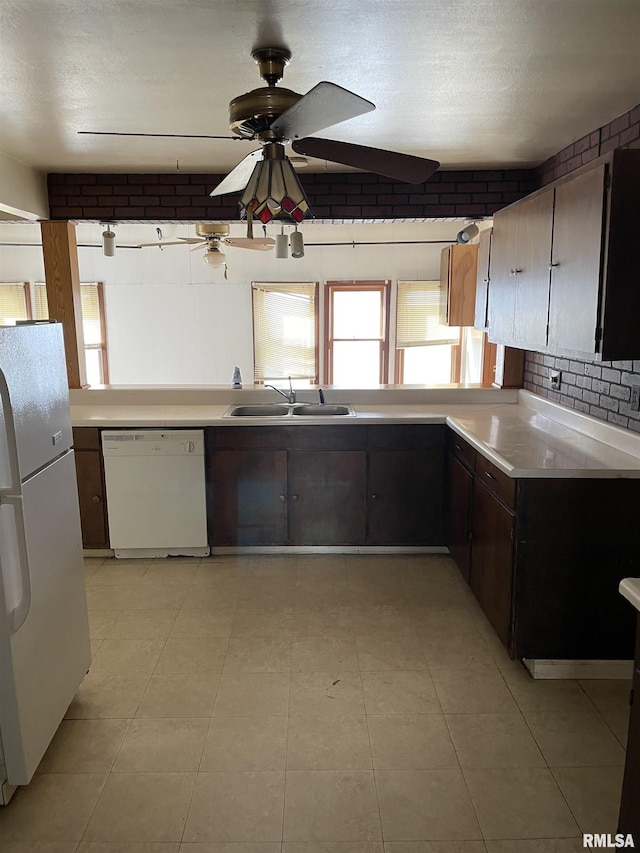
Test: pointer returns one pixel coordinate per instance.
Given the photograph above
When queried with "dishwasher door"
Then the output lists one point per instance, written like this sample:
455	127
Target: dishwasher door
155	486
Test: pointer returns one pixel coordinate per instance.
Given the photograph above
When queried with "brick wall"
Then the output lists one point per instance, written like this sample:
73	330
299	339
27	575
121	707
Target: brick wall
604	389
343	197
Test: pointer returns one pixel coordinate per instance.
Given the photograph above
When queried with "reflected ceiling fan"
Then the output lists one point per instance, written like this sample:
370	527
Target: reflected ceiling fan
274	116
210	237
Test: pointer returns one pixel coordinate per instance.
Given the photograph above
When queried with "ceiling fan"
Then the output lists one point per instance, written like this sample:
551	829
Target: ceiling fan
274	116
210	237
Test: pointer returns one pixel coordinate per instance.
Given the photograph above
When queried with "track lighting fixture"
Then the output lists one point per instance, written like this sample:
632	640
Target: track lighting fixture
282	244
467	234
297	244
108	243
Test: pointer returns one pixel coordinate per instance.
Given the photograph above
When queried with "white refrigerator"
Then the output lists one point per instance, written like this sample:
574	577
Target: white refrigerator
44	631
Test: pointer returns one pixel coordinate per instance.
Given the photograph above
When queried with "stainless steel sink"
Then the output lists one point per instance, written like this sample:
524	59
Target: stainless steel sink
316	410
282	410
265	410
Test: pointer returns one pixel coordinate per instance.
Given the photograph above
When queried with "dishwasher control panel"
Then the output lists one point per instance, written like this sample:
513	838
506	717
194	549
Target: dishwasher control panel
153	442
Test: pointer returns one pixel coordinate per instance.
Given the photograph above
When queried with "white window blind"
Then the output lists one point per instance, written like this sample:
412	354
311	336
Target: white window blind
418	316
284	331
40	305
13	304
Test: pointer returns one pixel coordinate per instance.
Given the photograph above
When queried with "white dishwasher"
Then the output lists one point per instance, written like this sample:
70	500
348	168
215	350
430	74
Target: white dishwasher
155	486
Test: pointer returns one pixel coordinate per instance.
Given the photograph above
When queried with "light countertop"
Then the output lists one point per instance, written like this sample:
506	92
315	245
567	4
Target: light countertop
630	589
525	436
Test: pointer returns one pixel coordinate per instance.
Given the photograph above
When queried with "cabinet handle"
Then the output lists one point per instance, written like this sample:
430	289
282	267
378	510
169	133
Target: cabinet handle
95	499
552	265
282	498
485	280
514	271
457	447
374	497
489	475
294	498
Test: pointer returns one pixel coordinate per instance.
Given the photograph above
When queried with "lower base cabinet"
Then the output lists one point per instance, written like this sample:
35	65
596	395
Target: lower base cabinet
249	493
545	556
629	821
91	487
492	559
328	485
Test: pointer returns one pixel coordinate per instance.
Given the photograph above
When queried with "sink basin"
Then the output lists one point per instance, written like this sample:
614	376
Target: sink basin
317	410
267	410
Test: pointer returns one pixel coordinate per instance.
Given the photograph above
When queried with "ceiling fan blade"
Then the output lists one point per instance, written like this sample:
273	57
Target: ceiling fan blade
162	135
391	164
323	106
238	178
261	244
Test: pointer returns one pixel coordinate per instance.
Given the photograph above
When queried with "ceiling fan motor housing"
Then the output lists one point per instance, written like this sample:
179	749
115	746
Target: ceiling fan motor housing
254	112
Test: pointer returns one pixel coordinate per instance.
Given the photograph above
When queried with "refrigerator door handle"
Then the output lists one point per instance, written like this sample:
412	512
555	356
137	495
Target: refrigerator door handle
10	436
17	613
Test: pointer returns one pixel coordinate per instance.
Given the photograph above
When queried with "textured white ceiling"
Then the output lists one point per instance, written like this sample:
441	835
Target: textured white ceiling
485	83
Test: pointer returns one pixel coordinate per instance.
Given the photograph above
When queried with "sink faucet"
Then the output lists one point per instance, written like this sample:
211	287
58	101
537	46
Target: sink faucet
321	395
289	396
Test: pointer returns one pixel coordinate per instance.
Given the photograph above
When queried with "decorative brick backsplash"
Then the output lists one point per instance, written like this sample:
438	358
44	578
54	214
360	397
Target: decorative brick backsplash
359	197
603	389
622	132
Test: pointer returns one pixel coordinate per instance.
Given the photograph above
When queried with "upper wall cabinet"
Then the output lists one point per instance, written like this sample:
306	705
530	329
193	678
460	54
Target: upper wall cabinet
482	281
564	273
458	272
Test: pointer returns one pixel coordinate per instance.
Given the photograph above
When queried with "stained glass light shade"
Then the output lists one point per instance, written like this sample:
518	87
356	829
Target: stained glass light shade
273	191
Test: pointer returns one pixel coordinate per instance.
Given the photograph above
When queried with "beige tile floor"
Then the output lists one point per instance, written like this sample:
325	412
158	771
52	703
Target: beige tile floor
314	704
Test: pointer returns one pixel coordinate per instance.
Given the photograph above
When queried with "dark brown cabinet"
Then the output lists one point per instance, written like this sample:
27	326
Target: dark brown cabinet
249	494
563	271
492	558
326	497
91	488
629	821
541	559
329	485
405	485
459	501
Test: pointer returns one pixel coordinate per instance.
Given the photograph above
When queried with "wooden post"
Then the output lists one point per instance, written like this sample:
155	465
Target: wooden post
60	252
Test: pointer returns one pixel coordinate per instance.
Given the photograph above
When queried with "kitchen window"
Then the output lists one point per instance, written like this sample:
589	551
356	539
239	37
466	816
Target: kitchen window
357	333
427	352
28	301
285	332
15	302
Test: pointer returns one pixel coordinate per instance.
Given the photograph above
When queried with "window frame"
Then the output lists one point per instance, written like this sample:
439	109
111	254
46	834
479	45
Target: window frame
102	346
383	286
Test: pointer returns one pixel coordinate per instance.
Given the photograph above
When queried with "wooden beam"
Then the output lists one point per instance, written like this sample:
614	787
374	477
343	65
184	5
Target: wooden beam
60	252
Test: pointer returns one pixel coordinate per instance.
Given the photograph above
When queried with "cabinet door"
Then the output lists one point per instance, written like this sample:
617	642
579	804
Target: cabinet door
492	559
533	255
93	516
629	811
482	281
577	247
459	492
405	497
326	497
247	497
502	289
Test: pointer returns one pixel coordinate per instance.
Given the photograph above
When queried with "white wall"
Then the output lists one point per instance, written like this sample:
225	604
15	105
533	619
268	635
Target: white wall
23	190
173	320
